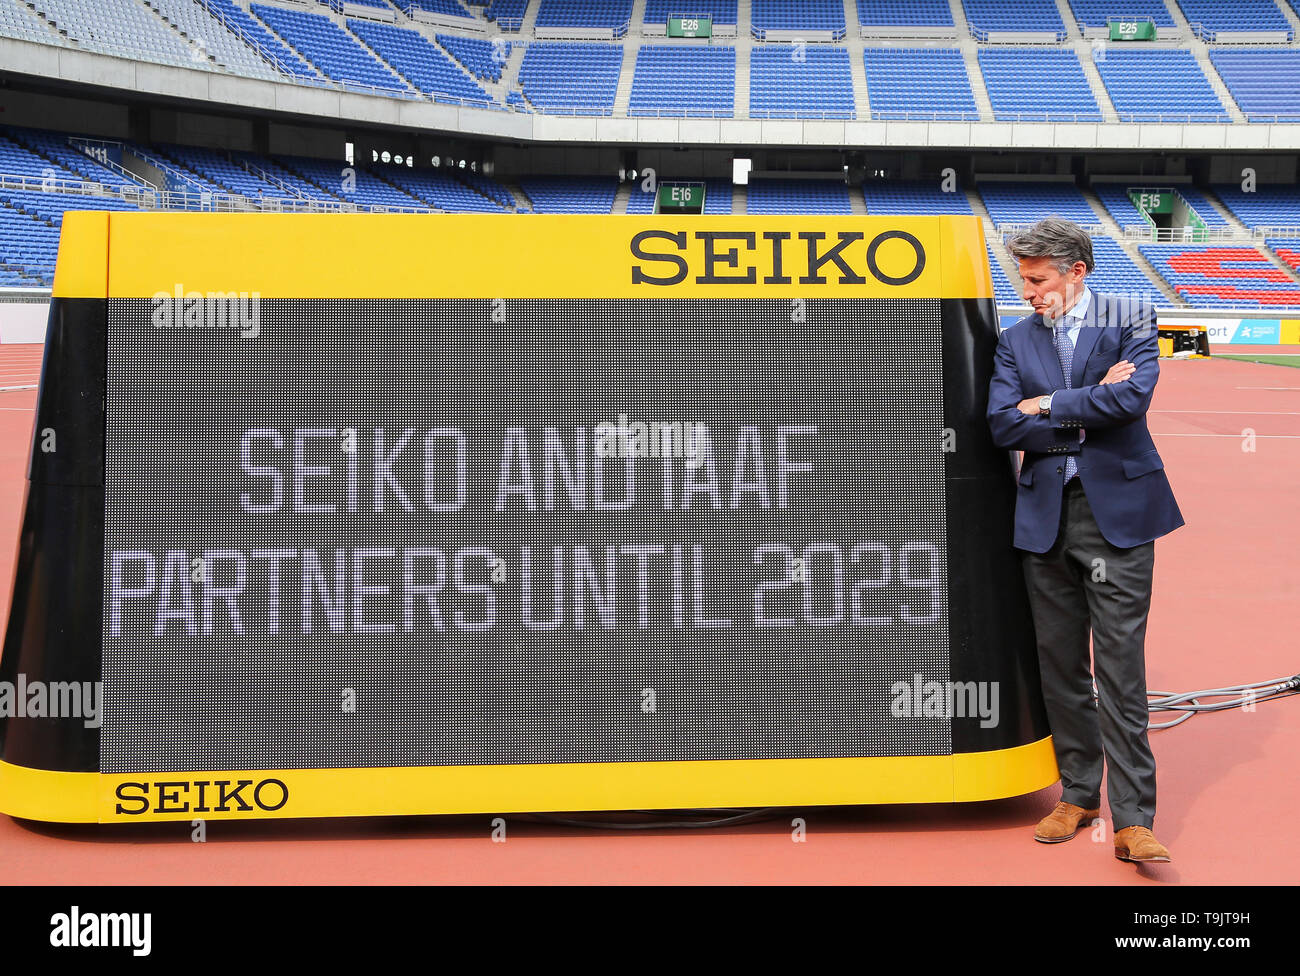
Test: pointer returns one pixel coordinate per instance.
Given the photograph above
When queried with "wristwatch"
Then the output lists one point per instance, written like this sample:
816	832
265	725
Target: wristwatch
1045	405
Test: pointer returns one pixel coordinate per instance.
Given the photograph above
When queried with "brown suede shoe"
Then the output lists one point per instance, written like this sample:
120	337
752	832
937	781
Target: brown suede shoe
1139	844
1063	823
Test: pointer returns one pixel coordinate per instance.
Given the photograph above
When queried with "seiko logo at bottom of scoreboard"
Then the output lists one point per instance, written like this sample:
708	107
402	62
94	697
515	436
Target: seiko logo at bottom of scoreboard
201	796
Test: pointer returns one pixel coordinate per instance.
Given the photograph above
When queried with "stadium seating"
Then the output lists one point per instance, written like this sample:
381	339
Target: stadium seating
17	20
1115	198
489	187
420	62
1096	13
1199	202
28	246
506	14
1287	248
1222	277
717	198
483	59
721	11
1161	85
1015	16
1275	205
1116	273
792	196
797	15
54	146
18	160
612	14
1017	202
905	13
571	77
913	197
255	32
1265	82
1005	290
330	48
1037	84
570	194
121	27
350	183
297	185
672	80
214	38
216	168
438	189
918	83
790	82
448	8
1214	16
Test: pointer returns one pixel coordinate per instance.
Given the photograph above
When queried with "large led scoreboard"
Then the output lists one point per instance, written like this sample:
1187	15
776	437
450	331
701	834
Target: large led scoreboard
410	514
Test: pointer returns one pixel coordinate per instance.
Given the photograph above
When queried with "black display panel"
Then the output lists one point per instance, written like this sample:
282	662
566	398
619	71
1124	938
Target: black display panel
322	550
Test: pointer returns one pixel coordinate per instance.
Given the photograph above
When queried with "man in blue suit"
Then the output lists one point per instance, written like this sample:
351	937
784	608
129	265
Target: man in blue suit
1071	387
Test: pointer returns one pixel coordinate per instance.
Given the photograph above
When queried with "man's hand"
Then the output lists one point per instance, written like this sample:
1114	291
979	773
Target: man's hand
1029	406
1118	373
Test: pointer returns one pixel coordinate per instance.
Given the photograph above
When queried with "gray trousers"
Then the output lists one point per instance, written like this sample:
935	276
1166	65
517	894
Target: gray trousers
1084	582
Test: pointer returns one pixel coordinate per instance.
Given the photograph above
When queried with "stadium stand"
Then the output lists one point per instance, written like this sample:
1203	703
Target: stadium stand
422	63
214	38
1114	197
1222	277
18	20
489	187
717	197
330	48
1096	13
1287	248
508	15
797	15
918	83
482	58
1017	202
1159	86
120	27
350	184
1210	18
790	82
254	32
1014	17
55	147
672	80
1199	202
293	183
1264	82
448	8
612	14
437	189
568	77
570	194
913	197
1004	291
1117	273
19	160
792	196
1267	205
905	13
28	246
721	11
220	171
1037	84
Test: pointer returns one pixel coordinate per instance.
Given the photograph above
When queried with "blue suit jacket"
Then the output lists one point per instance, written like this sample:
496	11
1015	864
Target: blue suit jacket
1119	466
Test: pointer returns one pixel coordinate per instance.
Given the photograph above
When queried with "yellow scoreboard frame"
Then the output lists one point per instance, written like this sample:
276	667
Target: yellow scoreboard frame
50	766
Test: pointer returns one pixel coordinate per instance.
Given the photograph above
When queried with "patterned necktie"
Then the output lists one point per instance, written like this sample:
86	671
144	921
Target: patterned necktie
1065	352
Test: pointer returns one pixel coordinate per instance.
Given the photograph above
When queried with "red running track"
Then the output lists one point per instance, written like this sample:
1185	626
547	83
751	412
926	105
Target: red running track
1227	589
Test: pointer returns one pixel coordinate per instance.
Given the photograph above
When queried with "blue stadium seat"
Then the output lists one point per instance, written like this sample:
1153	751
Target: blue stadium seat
913	197
614	14
1159	85
790	82
721	11
570	194
1097	13
918	83
421	62
1014	15
805	15
717	198
672	80
571	77
905	13
1027	202
1214	16
1115	198
792	196
482	58
1267	205
1037	84
330	48
1264	81
1210	276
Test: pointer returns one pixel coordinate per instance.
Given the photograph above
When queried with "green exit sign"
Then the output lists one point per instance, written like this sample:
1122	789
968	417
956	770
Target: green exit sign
1132	30
680	198
690	26
1154	201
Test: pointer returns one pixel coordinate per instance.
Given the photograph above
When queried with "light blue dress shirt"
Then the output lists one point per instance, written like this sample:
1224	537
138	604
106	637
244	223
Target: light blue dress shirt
1076	316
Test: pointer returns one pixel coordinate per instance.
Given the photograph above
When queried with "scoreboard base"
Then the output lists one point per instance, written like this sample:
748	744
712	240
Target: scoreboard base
62	797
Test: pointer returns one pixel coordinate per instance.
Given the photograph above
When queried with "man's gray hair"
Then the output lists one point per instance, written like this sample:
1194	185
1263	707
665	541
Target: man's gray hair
1054	237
